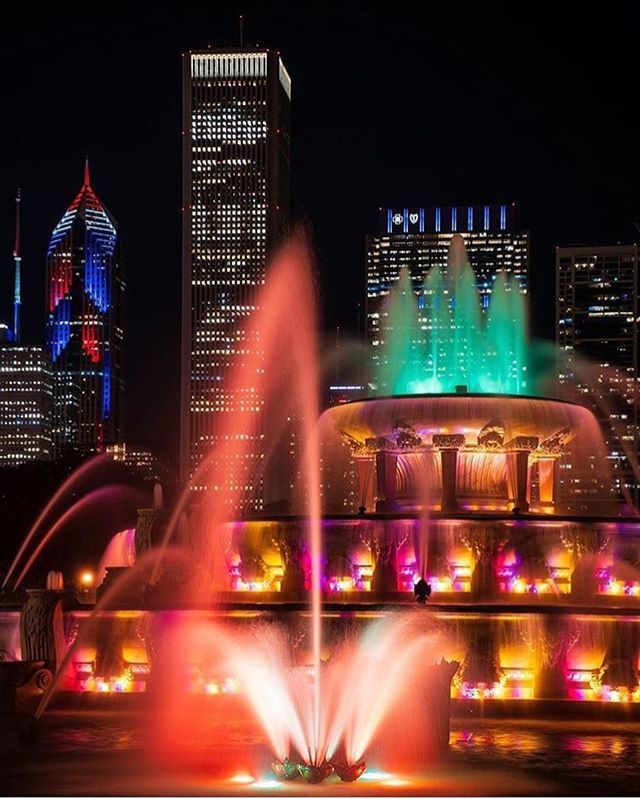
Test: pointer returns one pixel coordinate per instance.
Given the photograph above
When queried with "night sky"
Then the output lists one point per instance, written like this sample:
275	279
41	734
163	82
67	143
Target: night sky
478	105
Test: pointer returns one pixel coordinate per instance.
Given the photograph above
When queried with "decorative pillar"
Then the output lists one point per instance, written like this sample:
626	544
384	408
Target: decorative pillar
366	482
620	661
149	529
517	453
482	660
553	641
449	446
384	547
386	464
289	542
546	482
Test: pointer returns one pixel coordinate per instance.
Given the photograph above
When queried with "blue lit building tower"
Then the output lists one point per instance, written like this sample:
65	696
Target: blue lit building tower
85	325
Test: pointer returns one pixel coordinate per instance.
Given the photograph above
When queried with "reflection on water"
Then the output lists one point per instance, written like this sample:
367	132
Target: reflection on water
104	752
581	757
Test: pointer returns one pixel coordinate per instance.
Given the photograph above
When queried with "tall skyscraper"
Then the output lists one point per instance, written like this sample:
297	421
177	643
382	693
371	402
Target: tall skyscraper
26	386
85	325
236	140
26	390
597	317
419	238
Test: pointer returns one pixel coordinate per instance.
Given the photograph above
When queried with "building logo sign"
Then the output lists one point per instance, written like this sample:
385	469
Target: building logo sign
405	220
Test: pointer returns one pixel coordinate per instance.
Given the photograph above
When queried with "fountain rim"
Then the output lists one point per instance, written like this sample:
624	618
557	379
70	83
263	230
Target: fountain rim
436	515
456	395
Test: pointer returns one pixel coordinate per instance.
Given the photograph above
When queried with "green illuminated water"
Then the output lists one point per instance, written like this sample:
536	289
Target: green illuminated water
436	337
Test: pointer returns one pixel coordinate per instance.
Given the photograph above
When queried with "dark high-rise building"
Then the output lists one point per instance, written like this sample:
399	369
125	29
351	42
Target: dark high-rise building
419	238
85	325
236	139
26	390
597	317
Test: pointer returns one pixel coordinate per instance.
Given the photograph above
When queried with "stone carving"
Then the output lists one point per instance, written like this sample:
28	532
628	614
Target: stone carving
384	549
557	443
522	444
354	446
448	441
492	435
405	436
290	543
42	628
482	661
484	543
551	642
147	528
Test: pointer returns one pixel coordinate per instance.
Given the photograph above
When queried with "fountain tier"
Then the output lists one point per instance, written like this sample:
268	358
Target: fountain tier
453	452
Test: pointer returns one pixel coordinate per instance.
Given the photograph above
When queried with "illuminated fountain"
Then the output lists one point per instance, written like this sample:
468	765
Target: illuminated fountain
308	622
437	339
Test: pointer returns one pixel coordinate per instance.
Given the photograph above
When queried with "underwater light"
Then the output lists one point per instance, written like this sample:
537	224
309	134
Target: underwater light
242	778
86	578
265	784
341	583
375	775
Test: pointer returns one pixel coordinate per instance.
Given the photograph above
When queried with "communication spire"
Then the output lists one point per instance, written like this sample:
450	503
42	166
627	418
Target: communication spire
87	176
241	25
17	261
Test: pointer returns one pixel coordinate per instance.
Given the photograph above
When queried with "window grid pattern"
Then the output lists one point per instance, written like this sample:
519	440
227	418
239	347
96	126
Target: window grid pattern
597	317
235	146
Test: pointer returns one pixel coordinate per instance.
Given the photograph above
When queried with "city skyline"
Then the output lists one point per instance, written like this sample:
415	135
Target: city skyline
319	401
426	170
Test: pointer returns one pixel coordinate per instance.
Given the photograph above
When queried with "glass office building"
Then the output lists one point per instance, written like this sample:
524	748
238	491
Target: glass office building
597	317
26	395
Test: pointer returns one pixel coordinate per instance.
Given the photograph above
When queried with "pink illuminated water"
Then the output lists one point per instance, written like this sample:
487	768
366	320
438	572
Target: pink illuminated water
307	707
100	498
83	471
372	679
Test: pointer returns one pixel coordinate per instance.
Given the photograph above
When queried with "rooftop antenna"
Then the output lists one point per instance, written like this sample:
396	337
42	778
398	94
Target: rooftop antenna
241	26
17	261
87	174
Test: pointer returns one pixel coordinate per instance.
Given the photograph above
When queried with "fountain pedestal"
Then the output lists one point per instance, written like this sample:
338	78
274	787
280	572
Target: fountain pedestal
43	645
439	703
449	446
386	489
